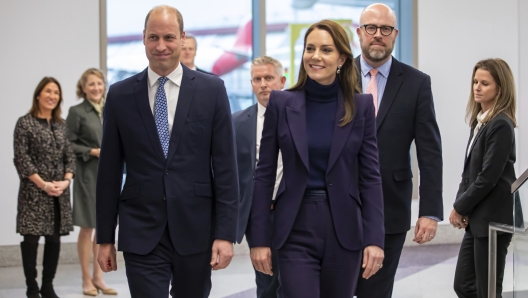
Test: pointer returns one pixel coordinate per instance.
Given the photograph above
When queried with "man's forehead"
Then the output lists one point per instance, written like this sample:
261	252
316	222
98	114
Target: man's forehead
260	70
190	42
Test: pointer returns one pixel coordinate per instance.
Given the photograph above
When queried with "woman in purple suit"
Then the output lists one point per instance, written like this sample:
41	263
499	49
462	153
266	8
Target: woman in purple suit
328	221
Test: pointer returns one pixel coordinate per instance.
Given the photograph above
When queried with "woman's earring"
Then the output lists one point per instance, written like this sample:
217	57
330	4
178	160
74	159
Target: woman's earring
339	69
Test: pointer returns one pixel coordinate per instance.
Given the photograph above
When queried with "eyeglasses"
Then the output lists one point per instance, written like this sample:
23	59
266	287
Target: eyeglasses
372	29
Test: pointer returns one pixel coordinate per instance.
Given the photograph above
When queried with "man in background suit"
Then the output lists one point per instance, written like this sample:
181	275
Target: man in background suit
172	126
266	75
405	112
189	53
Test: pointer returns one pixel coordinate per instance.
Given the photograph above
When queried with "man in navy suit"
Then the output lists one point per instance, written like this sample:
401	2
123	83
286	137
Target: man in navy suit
266	75
172	126
405	112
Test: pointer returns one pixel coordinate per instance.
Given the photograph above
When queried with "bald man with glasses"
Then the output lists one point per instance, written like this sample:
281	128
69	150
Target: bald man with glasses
404	113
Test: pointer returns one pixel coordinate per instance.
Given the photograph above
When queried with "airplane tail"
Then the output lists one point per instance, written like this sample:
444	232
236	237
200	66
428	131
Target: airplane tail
240	54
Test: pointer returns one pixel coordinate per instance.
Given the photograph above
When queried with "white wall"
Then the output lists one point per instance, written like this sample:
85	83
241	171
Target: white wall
452	36
58	38
522	144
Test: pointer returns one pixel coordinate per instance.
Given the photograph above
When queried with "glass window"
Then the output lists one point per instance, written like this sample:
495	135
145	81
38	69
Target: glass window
222	32
287	21
224	36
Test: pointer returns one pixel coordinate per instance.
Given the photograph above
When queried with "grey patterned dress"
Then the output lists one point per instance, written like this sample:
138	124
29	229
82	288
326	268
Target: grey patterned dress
48	152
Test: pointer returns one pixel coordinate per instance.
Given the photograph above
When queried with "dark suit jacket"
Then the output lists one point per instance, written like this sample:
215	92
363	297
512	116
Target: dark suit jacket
485	190
204	71
353	179
179	192
406	113
245	123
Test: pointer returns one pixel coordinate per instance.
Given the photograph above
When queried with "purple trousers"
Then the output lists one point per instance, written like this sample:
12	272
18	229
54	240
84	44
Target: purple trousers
312	262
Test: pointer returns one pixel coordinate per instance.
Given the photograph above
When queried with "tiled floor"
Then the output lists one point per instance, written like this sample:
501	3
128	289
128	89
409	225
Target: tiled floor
425	272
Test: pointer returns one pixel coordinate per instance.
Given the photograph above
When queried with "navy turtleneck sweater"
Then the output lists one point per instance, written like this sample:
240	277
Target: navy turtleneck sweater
321	108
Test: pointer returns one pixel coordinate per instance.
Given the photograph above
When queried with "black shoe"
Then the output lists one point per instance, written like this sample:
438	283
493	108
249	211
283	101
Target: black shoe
49	263
29	263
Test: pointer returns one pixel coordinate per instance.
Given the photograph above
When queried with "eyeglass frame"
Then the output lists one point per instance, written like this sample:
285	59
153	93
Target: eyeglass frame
378	27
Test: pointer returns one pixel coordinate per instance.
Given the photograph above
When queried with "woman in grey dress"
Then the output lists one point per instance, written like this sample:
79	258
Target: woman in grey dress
85	133
45	164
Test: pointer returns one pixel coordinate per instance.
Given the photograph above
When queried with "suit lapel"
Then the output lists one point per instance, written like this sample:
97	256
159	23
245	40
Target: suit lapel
479	133
394	82
182	109
296	114
142	101
341	133
358	72
250	134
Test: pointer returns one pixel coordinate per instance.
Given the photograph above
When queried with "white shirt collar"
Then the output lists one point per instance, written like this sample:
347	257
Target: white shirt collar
175	76
260	110
481	116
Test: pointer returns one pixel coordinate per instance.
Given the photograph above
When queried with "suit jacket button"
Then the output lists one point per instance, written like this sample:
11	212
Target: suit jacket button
166	173
330	184
466	180
164	199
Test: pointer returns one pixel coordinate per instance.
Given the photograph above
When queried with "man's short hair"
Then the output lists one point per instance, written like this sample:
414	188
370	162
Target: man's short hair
176	12
264	60
189	35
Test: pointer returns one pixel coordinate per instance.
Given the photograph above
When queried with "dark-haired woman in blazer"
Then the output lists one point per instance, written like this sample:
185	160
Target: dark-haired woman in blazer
484	194
328	221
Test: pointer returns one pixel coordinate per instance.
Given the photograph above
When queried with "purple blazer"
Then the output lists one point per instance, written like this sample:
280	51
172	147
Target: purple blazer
353	179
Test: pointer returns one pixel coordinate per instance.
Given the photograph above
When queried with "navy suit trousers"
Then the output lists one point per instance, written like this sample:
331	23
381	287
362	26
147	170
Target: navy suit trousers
150	275
312	262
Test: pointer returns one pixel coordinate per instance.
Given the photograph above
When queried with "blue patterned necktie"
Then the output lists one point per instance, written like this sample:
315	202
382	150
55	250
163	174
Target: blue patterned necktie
161	116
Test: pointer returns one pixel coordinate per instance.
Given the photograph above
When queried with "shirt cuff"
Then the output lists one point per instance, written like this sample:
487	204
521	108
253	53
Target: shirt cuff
432	217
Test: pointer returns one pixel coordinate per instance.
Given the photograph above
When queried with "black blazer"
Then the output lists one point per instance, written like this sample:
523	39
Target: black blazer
406	113
245	124
485	190
179	191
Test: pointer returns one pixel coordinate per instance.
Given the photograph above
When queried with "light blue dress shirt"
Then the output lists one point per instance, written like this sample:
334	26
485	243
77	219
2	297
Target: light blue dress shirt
381	77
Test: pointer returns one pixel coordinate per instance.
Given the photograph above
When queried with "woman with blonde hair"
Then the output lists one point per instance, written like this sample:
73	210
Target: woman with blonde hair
85	133
484	194
45	164
328	219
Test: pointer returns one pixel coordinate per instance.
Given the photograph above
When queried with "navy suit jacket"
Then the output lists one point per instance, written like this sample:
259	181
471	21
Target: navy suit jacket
180	191
245	123
353	180
406	114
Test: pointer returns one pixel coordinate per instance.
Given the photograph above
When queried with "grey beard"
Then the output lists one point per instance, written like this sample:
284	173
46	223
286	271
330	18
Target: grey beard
377	55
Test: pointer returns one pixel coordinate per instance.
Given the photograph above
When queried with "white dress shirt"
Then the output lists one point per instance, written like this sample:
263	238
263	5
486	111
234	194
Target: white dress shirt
172	91
260	125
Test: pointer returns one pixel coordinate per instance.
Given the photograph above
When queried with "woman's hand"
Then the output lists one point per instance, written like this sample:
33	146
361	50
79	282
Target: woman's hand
457	220
62	185
95	152
372	260
261	259
51	189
